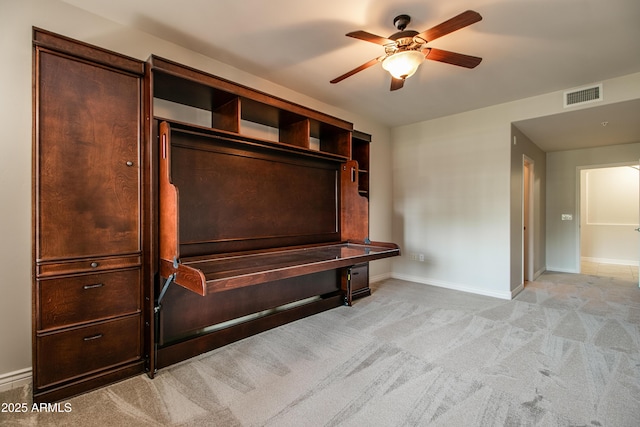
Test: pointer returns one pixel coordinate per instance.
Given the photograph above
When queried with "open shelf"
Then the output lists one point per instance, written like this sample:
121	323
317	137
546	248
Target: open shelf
360	153
247	112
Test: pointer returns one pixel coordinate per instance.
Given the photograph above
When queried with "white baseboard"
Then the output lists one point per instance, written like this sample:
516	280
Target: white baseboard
631	262
379	277
539	273
517	290
15	379
561	270
453	286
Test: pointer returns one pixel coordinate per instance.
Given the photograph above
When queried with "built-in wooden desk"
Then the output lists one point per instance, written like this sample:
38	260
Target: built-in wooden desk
206	275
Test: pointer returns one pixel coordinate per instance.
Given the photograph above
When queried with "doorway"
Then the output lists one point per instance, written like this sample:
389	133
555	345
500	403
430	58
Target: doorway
609	200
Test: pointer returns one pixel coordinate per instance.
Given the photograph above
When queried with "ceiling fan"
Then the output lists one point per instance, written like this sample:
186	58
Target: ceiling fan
405	50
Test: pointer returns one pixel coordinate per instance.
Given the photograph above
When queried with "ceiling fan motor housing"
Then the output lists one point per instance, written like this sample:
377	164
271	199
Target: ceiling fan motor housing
404	39
401	22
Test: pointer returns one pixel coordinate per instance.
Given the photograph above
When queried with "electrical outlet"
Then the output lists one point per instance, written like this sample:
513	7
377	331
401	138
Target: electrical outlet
413	256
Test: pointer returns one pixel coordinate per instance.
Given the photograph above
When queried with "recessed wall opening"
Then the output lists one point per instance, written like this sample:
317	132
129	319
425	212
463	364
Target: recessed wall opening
609	204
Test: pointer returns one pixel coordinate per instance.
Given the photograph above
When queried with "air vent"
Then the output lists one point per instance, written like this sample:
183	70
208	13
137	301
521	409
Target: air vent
583	95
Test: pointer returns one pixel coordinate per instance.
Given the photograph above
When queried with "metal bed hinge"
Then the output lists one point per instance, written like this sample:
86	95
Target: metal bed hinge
347	296
166	285
164	290
156	309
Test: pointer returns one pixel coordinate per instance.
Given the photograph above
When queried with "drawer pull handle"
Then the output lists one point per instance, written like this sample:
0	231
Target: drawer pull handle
94	264
356	273
94	337
95	285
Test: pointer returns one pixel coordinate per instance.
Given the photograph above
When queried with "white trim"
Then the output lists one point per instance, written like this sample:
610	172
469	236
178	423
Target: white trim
15	379
538	273
517	290
379	277
630	262
530	250
453	286
609	224
561	270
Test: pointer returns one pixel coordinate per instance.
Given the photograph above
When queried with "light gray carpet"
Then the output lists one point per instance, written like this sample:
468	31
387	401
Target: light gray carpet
565	352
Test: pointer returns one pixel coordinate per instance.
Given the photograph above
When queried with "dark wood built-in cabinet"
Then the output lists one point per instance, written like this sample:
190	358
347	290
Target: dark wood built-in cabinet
158	237
88	195
360	143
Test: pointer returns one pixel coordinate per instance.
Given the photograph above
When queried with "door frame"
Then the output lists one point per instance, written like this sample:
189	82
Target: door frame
528	228
579	201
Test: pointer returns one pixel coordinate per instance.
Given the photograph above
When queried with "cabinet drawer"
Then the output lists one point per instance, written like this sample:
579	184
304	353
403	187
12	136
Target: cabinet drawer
47	269
66	355
359	277
72	300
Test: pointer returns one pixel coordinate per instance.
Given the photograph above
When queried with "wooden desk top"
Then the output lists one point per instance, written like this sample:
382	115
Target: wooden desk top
205	275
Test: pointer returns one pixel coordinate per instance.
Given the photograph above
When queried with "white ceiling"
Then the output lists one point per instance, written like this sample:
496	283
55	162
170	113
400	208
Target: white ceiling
529	47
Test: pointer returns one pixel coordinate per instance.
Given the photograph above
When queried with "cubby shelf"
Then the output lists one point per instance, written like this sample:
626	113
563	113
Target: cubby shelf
248	112
360	152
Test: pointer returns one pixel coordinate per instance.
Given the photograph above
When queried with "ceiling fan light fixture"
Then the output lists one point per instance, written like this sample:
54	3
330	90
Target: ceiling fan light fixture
403	64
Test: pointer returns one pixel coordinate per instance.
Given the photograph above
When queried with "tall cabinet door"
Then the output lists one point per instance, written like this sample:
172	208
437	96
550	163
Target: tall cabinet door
89	137
88	198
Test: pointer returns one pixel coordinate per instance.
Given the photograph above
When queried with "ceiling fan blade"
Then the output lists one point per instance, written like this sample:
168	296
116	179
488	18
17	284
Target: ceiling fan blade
453	58
357	70
396	83
368	37
457	22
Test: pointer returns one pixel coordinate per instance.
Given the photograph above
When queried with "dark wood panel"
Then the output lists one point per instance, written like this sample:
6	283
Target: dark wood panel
296	133
200	344
360	281
88	127
89	265
72	300
231	195
89	52
355	208
63	356
184	312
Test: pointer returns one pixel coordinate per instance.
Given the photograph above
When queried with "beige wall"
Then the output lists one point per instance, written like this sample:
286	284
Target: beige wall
457	195
451	201
563	177
16	21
